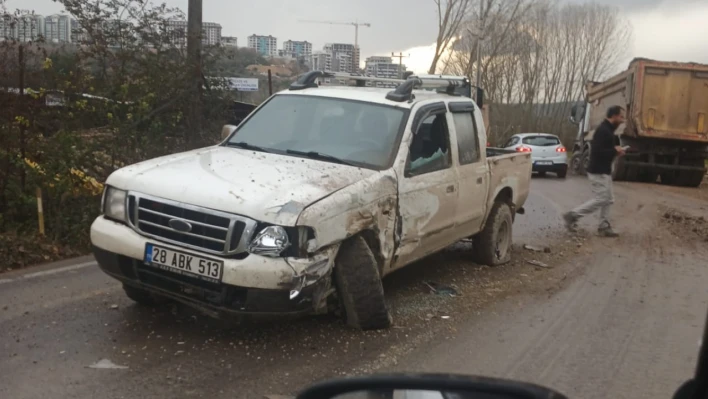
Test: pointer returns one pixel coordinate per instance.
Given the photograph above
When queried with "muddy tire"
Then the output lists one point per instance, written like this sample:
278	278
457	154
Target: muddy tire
359	288
492	246
576	164
141	296
690	178
619	169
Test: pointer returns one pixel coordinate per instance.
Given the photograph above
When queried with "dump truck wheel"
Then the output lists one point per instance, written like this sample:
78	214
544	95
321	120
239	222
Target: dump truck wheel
619	169
647	176
142	297
359	287
576	164
492	246
690	178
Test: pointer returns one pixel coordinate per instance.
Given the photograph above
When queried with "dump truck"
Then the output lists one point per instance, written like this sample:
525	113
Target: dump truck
666	130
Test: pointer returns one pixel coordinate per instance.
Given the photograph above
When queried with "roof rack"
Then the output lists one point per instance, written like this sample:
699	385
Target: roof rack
444	84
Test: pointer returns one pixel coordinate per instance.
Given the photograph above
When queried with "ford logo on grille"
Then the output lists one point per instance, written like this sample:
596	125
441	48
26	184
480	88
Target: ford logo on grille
180	225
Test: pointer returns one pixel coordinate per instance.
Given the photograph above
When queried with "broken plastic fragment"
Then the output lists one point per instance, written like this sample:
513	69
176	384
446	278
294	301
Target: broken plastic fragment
106	364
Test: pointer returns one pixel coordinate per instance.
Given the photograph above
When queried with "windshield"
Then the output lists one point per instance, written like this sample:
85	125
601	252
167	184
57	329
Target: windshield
541	141
359	133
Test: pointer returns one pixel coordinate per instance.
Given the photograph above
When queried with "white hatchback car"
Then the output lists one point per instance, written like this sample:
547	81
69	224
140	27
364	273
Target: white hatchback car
547	152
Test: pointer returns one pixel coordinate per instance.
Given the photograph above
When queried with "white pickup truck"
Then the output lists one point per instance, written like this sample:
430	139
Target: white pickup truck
315	197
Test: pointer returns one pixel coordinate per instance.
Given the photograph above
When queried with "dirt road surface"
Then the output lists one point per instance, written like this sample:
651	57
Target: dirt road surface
606	318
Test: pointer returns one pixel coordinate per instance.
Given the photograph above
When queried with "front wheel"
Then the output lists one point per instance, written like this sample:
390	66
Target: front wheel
492	246
359	287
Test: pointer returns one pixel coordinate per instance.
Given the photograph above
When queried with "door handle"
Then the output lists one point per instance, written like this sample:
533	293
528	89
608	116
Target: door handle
450	189
480	180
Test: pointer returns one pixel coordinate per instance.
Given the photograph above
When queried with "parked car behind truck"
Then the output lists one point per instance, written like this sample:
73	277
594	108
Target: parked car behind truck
316	196
548	154
667	126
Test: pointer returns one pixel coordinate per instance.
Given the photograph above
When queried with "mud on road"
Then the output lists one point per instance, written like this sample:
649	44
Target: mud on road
53	327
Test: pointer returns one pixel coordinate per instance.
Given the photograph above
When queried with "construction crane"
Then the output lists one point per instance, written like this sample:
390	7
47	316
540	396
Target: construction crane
356	26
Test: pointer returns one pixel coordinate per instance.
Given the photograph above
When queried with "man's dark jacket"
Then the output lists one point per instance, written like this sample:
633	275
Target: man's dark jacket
602	149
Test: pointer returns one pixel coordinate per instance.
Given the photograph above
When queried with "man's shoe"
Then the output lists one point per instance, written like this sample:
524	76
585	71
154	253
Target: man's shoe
570	222
607	232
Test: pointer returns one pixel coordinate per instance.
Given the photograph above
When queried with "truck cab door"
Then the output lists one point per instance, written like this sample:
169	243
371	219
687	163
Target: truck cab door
428	189
472	168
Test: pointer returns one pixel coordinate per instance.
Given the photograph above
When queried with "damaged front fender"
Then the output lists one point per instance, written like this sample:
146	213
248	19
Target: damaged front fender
367	206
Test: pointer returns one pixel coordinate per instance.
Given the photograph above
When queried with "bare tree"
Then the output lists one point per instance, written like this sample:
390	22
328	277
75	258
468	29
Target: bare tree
537	56
451	14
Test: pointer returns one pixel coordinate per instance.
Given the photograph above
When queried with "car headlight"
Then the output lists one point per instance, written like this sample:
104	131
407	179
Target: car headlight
271	241
114	204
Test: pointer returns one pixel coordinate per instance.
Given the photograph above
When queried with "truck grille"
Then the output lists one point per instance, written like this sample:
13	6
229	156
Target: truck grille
208	230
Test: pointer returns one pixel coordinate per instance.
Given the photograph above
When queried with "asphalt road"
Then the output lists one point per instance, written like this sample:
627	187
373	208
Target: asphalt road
609	318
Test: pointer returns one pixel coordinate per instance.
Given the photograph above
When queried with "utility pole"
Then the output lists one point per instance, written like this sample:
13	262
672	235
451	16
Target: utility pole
194	63
400	63
479	45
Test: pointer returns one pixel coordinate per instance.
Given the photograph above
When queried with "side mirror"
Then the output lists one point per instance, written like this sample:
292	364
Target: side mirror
577	114
226	131
426	386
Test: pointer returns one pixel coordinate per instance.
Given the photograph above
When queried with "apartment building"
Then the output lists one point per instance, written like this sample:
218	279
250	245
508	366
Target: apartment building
383	67
24	28
211	32
265	45
297	49
229	41
320	61
343	52
57	29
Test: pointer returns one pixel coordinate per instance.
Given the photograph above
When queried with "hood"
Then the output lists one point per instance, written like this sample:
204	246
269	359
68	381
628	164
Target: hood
270	188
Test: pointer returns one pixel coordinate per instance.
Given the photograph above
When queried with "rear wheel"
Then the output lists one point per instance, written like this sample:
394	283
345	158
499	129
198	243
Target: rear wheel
619	169
492	246
541	174
690	178
562	173
576	163
359	287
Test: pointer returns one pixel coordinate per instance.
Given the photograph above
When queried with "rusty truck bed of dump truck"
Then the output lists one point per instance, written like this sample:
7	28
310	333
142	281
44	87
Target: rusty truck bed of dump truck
668	100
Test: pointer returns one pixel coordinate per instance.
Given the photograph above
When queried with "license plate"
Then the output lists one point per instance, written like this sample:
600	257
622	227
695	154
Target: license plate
183	263
544	162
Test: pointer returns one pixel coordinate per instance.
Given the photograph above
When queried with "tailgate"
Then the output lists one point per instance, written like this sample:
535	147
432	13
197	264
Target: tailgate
674	102
512	170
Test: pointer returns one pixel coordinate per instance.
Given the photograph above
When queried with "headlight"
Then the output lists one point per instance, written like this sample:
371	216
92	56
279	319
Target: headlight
271	241
114	204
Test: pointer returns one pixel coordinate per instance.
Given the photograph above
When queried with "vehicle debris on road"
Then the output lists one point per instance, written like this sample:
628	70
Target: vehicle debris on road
538	263
107	364
439	289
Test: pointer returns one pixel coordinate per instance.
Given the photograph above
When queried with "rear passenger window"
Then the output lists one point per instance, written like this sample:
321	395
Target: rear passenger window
467	138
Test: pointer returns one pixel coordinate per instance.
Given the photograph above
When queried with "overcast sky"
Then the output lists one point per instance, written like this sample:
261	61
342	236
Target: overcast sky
674	30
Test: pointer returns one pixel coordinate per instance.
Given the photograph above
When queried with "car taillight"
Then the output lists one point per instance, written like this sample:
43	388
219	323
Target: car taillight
560	149
523	149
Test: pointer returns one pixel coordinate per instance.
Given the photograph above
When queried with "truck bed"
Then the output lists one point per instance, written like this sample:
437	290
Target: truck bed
665	100
508	168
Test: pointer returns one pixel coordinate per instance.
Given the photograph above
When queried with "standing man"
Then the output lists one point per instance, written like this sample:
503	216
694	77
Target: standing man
602	153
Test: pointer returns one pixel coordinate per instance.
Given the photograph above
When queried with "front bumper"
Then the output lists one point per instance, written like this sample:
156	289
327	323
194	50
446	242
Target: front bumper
550	164
255	285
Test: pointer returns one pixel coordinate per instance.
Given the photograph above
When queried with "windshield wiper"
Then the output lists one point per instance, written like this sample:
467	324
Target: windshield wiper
246	146
320	156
